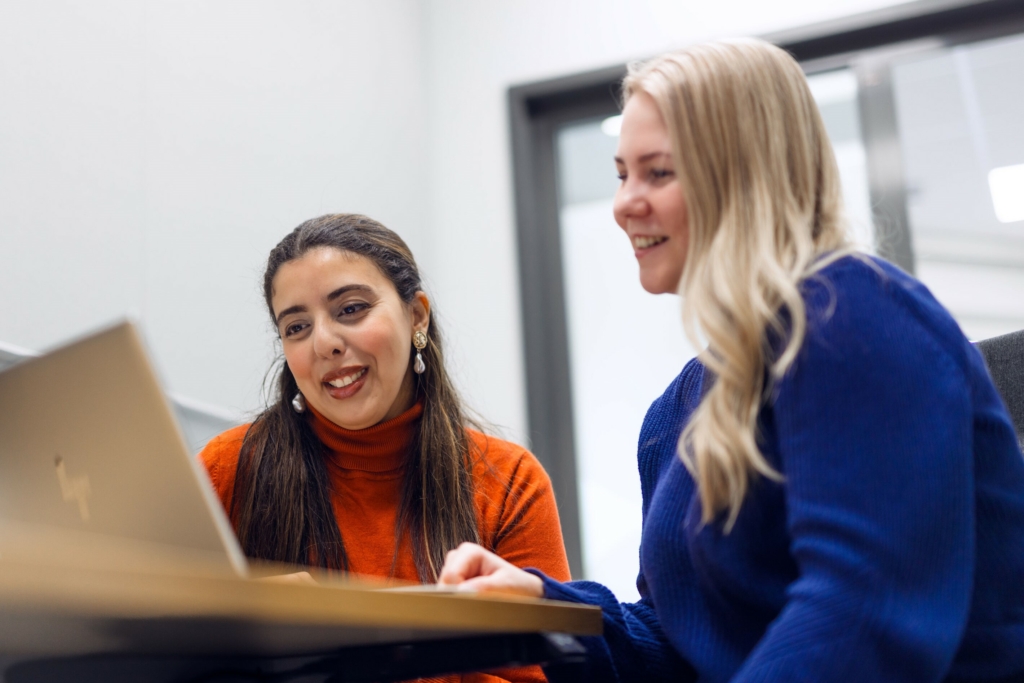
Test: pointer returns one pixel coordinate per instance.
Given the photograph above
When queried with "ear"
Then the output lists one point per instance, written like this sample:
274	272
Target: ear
420	308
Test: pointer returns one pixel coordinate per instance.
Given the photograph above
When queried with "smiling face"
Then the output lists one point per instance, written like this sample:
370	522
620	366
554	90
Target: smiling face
649	203
347	336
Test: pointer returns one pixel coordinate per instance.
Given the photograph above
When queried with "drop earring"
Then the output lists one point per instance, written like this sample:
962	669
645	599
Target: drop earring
299	403
419	340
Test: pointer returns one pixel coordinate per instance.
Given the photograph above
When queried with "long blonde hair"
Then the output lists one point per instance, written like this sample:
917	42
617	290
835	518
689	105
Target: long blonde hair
765	211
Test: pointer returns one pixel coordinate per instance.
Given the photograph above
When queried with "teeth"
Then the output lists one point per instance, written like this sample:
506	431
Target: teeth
348	379
641	242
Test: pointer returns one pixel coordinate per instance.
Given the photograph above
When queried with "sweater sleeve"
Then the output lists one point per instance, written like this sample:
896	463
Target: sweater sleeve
634	646
220	458
875	439
527	531
519	522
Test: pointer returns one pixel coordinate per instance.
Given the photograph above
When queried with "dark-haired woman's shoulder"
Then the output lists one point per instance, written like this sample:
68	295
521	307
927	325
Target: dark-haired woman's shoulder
516	506
220	458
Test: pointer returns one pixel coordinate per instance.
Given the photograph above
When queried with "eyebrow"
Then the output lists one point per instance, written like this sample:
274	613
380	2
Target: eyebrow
330	297
348	288
646	157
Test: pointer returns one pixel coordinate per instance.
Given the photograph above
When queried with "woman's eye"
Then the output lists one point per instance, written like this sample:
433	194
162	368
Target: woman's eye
291	330
660	173
352	309
621	177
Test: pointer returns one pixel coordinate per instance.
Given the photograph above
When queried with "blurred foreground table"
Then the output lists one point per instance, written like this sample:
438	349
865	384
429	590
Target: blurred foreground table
88	623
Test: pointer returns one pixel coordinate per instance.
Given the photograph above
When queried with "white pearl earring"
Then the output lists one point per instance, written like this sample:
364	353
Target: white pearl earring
299	403
419	340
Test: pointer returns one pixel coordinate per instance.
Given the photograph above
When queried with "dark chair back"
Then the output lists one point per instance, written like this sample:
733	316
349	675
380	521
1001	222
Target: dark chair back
1004	357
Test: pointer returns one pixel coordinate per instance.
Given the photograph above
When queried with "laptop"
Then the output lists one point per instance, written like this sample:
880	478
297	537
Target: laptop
94	468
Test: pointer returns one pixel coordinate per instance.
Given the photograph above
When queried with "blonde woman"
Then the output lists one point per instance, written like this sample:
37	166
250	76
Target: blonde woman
833	491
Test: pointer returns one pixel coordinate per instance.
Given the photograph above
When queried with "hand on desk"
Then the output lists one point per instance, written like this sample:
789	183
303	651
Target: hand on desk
471	568
298	578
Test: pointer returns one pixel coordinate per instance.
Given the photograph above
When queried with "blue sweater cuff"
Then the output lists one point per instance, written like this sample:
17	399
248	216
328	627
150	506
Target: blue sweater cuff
556	590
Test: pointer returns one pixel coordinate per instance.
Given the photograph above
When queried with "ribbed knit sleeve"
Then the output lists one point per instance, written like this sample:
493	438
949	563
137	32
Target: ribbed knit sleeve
220	458
517	509
634	646
874	433
891	549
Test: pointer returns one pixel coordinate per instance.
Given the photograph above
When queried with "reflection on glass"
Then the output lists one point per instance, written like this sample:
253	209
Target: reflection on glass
959	113
612	125
836	95
1007	187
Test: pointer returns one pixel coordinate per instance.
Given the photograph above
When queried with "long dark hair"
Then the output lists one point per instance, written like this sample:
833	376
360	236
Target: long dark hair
282	507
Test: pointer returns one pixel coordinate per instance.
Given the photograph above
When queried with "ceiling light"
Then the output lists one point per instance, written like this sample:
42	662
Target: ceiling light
1007	186
612	125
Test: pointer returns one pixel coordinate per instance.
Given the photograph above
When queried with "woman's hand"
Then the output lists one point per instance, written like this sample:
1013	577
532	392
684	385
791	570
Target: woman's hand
295	579
471	568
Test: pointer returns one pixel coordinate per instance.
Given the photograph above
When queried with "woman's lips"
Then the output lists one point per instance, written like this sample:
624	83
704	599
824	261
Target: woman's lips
346	385
644	243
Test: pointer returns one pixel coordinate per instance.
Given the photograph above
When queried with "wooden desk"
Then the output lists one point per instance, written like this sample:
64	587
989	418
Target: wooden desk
208	618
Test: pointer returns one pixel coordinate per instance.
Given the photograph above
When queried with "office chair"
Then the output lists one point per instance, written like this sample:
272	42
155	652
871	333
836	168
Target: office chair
1004	356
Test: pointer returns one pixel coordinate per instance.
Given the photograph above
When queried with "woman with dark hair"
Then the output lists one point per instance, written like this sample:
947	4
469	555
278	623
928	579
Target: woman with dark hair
365	462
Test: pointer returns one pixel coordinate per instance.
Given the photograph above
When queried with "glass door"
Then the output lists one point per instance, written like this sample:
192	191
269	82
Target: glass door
959	112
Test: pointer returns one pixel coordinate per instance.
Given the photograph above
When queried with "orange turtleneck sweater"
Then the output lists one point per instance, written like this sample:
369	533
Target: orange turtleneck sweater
515	504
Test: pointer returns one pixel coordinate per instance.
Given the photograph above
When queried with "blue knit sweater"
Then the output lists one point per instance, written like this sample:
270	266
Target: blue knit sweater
892	551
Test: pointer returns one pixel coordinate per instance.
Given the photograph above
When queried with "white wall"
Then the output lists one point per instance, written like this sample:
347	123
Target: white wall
151	154
474	52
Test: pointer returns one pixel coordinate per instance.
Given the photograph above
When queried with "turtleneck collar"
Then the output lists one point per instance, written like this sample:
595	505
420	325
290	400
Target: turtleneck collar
380	448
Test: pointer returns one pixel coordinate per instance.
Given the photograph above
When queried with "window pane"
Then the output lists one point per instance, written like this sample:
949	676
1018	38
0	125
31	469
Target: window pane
959	113
625	346
836	95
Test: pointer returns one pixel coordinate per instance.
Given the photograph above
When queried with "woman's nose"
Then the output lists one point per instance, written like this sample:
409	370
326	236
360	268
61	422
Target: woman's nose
327	342
630	202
